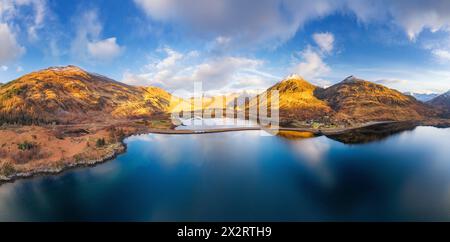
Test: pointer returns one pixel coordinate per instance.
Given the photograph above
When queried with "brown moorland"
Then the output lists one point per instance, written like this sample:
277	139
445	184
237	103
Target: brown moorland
63	117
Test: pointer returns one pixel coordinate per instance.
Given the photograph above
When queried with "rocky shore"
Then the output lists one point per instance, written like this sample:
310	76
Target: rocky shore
116	149
361	133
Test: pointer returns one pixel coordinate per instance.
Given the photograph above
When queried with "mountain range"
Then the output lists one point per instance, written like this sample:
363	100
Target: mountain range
423	97
359	100
442	102
72	95
351	101
93	114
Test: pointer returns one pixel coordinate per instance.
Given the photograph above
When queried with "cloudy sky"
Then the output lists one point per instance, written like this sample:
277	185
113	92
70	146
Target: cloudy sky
232	44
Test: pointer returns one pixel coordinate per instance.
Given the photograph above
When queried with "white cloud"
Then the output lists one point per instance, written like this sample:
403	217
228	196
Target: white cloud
221	71
193	54
311	67
160	71
4	68
88	27
40	12
159	9
168	63
412	15
389	82
325	41
311	64
87	44
415	16
246	22
106	49
9	48
40	9
441	54
15	15
222	40
179	71
279	20
134	79
14	10
404	79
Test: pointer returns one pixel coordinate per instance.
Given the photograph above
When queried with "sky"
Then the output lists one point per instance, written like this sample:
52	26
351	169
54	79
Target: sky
232	45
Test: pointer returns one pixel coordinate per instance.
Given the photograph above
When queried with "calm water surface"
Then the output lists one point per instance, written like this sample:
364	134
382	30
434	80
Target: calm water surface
214	123
245	176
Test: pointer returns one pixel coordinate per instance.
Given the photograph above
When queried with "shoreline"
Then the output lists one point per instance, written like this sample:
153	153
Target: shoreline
121	147
329	131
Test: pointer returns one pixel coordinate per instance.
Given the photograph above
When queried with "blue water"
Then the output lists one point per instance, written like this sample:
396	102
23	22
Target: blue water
245	176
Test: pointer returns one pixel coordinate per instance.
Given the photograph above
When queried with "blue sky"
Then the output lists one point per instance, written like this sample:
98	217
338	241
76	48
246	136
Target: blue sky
232	45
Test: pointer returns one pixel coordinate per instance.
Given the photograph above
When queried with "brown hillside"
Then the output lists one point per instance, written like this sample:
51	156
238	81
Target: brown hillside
70	94
361	101
442	103
297	100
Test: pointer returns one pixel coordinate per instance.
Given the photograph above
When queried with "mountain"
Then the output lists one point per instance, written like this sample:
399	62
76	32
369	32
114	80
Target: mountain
358	100
423	97
351	101
297	100
70	94
442	102
220	101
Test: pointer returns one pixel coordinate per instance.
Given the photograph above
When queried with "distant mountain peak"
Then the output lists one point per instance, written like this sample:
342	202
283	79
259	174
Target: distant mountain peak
293	82
69	94
442	102
293	76
351	79
447	94
357	99
65	68
423	97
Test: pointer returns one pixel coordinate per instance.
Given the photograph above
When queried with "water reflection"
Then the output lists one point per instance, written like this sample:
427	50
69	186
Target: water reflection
198	123
312	155
246	176
294	135
373	133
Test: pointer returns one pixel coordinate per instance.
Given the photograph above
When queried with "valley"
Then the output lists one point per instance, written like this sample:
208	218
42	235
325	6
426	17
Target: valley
64	117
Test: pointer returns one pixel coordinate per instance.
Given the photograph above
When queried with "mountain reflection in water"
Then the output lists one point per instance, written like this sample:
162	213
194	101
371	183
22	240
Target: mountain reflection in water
372	133
247	176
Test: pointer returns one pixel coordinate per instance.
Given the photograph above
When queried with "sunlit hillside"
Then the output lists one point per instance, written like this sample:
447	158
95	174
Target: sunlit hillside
358	100
348	102
296	100
70	94
442	103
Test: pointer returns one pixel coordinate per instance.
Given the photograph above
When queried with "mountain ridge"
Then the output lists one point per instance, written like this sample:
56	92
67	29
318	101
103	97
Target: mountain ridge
356	99
96	113
350	101
442	102
297	100
70	94
423	97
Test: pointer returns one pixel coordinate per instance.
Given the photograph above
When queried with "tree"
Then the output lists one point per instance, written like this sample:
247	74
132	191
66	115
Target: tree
26	146
100	142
